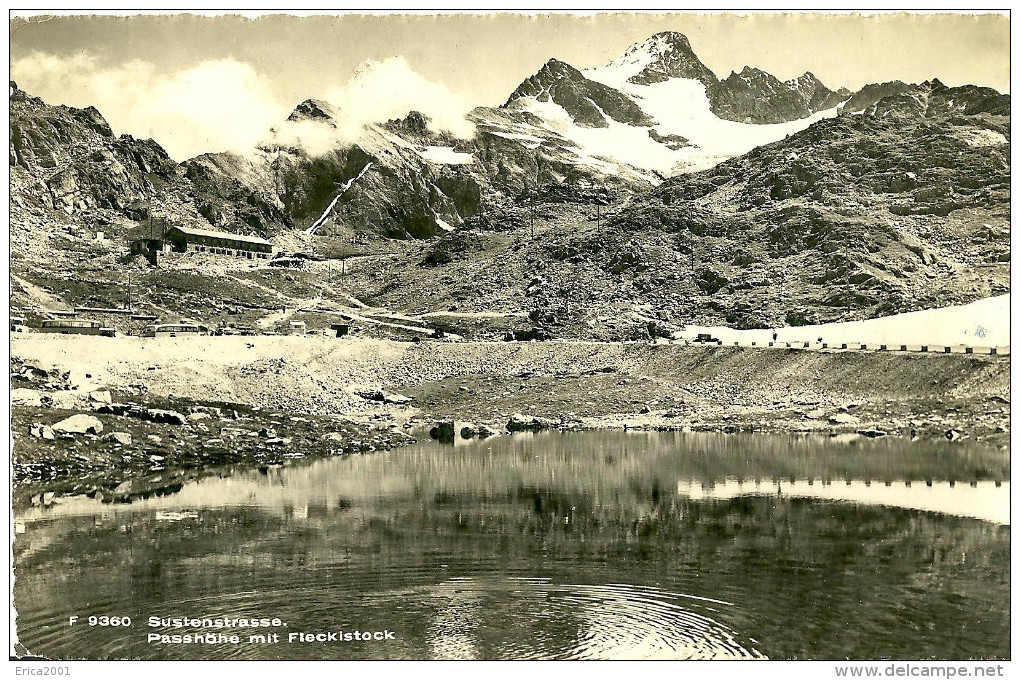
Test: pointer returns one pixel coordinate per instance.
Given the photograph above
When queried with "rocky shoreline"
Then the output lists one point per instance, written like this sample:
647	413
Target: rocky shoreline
126	417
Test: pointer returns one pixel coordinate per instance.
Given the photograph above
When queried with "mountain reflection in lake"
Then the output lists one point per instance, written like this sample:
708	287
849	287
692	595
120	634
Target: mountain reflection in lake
551	546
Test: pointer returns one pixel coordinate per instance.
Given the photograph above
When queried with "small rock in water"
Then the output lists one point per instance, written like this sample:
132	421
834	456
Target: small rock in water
521	423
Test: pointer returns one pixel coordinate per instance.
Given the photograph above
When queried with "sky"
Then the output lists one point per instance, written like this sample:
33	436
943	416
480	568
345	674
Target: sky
211	83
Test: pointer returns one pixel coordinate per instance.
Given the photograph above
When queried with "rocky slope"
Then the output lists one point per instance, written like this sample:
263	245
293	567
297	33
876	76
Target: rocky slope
655	111
930	99
69	160
856	216
587	102
754	96
574	210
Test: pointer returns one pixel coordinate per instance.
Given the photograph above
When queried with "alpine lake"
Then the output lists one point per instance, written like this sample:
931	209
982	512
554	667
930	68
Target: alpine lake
583	545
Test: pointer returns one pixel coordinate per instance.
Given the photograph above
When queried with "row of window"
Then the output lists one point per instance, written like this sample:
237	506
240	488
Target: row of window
251	255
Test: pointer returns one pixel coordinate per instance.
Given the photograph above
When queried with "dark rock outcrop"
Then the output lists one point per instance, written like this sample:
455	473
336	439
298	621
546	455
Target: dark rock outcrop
754	96
588	102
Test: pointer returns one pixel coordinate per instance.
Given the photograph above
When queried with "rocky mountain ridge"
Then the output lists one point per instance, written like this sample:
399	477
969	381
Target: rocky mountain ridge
895	200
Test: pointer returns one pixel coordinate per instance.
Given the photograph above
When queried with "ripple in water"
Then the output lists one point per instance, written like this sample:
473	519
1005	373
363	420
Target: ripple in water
584	622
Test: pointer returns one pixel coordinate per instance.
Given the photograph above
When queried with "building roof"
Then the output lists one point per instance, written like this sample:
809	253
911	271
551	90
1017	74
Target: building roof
212	233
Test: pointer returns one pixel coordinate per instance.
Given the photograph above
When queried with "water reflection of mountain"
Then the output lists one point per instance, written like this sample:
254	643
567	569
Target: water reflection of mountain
615	468
434	541
983	500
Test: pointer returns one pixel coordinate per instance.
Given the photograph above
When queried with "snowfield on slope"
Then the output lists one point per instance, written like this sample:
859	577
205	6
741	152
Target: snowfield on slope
681	107
444	155
984	323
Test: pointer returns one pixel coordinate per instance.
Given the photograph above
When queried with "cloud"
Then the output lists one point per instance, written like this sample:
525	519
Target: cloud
380	90
214	106
226	105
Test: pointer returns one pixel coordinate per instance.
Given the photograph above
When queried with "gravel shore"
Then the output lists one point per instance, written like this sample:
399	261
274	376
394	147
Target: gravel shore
575	385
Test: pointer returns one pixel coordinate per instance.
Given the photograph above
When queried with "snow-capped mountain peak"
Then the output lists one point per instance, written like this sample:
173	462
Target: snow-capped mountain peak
314	109
661	57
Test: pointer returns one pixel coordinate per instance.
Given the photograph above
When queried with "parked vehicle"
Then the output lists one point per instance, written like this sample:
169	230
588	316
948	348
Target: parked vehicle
172	330
76	327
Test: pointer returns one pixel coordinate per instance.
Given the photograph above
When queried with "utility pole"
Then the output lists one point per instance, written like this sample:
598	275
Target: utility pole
343	256
846	263
276	172
530	198
531	209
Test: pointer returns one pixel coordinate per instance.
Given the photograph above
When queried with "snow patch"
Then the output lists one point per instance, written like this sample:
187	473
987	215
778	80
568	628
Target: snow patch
527	141
444	155
984	323
329	209
681	107
983	137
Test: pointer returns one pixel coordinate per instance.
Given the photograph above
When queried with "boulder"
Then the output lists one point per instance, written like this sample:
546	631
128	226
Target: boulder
28	371
64	399
113	409
22	396
469	430
384	397
953	435
41	431
101	397
873	433
843	419
79	424
443	431
122	438
158	415
523	423
153	415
